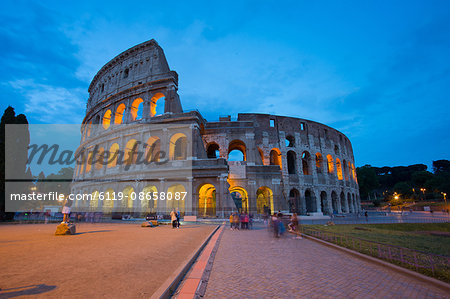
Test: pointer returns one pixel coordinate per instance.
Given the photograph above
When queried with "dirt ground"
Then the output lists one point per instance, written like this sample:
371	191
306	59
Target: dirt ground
101	260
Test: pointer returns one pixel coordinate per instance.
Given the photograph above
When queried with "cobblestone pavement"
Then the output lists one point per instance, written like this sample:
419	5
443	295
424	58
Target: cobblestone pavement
253	264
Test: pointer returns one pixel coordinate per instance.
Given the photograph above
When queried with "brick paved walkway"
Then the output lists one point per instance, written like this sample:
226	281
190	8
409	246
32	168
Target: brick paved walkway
252	264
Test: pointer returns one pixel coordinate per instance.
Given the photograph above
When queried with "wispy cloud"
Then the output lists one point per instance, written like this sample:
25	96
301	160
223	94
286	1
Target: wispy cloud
51	104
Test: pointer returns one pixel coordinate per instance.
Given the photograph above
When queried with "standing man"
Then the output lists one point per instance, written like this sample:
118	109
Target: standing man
178	218
173	217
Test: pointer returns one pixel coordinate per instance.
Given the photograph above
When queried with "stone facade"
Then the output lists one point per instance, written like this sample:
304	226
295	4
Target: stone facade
282	163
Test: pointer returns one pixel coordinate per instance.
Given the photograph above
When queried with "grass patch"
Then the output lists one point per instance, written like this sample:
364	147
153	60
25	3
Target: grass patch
416	236
428	238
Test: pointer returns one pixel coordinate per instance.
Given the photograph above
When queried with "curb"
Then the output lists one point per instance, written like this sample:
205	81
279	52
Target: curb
429	280
171	283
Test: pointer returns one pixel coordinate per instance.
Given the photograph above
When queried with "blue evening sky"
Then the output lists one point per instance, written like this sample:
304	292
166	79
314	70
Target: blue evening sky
379	71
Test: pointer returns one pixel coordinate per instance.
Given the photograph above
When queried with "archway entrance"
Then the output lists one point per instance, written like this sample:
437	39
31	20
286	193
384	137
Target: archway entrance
207	201
240	198
264	200
334	202
174	198
324	202
149	206
310	202
294	201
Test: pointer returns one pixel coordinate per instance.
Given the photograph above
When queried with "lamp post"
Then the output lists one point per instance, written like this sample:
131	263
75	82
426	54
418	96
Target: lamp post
423	191
445	199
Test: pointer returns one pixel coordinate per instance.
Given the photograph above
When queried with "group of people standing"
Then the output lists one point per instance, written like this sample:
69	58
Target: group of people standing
175	216
241	221
278	225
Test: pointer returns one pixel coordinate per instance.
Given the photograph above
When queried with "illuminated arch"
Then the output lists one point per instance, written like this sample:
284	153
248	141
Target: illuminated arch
131	152
330	164
100	159
153	149
149	205
264	197
127	200
155	108
240	198
173	203
108	202
319	162
89	161
207	200
339	169
238	146
93	204
136	109
120	111
89	128
106	119
178	147
113	155
275	157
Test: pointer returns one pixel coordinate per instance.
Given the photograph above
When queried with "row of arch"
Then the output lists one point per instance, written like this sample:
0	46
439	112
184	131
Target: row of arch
134	152
237	151
121	114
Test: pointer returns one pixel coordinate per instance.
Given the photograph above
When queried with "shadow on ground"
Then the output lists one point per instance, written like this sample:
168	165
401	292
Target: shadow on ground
25	290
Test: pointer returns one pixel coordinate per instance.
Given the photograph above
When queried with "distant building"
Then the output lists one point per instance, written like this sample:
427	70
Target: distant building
281	163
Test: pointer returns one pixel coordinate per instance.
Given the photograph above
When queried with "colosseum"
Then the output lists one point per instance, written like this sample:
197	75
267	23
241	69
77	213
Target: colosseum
258	163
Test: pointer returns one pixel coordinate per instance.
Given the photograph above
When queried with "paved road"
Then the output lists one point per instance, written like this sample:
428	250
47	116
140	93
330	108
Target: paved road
252	264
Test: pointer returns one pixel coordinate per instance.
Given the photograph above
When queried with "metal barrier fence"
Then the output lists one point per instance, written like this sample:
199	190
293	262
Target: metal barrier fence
434	265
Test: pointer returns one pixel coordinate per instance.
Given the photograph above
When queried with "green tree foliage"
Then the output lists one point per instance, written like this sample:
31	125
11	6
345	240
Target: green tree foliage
403	179
17	153
367	180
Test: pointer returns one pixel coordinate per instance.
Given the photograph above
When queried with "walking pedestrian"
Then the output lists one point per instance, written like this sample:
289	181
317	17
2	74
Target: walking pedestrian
173	217
236	221
231	221
178	218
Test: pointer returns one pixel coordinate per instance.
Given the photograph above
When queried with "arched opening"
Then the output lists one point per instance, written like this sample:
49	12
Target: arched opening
306	157
261	155
106	119
264	200
290	141
153	149
89	128
350	173
345	170
354	172
294	201
339	169
355	204
324	202
334	202
131	152
319	162
351	208
310	200
291	161
275	157
212	150
336	150
89	161
207	201
137	109
93	204
119	114
149	204
127	200
330	164
108	201
344	207
178	147
234	148
113	155
177	200
240	198
100	159
157	104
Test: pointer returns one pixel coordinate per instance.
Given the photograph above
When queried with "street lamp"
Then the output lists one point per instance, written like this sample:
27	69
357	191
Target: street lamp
445	199
423	191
